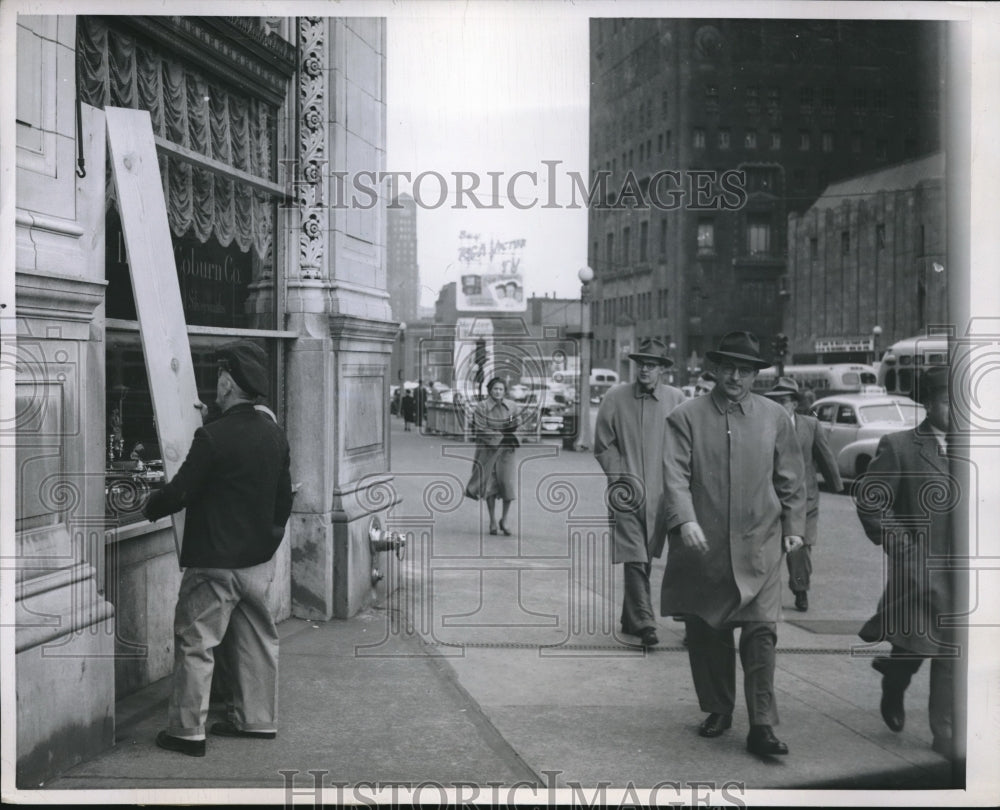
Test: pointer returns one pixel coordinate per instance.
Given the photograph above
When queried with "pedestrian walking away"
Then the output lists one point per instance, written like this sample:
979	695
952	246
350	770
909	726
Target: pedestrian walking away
236	488
495	422
816	457
408	407
734	497
628	442
906	501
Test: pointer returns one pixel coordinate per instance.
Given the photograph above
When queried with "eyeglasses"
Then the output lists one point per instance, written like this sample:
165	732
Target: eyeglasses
648	364
729	370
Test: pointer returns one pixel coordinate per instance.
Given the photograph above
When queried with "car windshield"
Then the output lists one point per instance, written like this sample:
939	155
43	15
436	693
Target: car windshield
884	412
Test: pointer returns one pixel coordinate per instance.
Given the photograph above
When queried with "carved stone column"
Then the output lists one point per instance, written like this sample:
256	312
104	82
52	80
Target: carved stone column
338	369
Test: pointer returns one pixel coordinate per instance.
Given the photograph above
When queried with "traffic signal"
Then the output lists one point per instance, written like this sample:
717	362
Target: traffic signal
780	344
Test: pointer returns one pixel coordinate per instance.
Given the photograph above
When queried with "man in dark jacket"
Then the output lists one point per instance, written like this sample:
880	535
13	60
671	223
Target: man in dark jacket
236	488
817	457
905	502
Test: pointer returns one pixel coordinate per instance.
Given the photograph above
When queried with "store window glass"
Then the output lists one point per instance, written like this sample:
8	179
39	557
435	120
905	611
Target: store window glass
223	228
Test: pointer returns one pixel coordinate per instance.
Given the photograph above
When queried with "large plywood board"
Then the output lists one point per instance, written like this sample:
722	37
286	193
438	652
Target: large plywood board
154	283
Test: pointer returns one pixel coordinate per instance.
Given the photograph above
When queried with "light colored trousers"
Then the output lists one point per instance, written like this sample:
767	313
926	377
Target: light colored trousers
210	601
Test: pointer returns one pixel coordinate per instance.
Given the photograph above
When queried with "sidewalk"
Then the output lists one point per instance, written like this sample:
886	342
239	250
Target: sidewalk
497	662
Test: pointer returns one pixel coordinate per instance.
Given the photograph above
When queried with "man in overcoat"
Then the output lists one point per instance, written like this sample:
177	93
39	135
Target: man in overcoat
628	438
817	457
735	496
905	502
236	488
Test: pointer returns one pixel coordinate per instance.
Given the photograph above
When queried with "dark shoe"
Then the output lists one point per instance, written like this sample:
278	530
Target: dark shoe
801	601
504	529
892	699
193	748
226	729
493	529
761	741
715	724
945	746
648	637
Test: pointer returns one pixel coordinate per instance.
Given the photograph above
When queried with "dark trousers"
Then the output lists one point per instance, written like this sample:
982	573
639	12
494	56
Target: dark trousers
799	568
900	667
637	606
712	654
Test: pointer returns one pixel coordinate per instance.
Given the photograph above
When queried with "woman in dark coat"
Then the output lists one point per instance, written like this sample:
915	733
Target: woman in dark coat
408	407
495	421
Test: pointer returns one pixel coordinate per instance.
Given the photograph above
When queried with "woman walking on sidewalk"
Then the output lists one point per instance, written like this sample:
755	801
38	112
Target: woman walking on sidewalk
495	421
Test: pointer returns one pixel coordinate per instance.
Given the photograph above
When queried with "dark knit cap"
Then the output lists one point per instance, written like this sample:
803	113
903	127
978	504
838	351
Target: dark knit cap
246	363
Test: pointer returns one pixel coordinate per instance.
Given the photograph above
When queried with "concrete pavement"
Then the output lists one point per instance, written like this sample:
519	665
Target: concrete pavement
499	661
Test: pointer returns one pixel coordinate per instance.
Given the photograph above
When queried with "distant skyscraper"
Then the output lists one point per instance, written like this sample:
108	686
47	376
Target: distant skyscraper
402	271
795	104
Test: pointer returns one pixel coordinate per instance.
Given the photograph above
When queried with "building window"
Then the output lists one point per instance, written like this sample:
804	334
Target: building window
626	239
805	141
813	248
670	139
663	236
664	105
806	99
723	139
750	139
829	100
711	96
642	149
752	98
880	235
706	236
881	149
775	139
845	243
610	250
758	236
698	139
857	141
659	144
224	233
827	141
773	98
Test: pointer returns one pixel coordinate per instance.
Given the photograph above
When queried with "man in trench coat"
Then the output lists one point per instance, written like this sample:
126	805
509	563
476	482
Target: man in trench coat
735	497
905	502
628	437
816	456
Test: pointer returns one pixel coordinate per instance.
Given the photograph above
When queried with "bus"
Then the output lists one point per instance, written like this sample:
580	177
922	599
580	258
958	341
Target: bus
825	380
905	359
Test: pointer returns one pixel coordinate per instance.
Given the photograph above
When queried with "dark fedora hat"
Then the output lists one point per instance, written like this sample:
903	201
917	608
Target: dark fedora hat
652	350
739	347
246	363
785	387
930	381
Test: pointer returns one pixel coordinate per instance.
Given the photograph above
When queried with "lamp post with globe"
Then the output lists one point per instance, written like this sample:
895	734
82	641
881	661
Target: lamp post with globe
583	431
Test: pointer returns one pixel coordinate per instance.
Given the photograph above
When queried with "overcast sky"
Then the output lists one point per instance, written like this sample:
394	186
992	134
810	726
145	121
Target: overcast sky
491	89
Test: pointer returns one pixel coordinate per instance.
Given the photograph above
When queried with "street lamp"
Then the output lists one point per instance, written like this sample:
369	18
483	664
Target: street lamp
583	437
876	334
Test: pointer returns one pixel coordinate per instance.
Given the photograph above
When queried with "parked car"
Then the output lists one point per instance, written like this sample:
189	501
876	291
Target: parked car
854	423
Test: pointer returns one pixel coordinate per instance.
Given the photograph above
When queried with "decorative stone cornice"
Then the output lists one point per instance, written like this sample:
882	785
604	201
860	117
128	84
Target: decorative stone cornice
353	328
67	301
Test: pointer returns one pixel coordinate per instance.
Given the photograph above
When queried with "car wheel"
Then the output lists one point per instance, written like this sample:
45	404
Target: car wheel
861	465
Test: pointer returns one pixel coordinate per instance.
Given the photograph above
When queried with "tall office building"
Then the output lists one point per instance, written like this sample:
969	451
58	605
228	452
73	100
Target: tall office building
402	272
683	247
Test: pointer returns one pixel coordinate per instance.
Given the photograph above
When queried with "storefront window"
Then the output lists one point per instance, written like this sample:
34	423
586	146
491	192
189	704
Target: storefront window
223	228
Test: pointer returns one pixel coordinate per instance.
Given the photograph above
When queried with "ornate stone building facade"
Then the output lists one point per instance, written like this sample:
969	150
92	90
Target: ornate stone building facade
251	117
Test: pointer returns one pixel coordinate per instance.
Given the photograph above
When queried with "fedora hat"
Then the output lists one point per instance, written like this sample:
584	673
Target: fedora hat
652	350
739	347
930	380
785	387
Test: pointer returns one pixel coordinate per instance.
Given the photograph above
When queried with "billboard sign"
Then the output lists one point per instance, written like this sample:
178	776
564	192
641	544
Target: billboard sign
491	278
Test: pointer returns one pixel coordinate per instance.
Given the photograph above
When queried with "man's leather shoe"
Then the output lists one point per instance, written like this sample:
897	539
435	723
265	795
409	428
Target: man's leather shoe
761	741
226	729
801	601
891	706
648	637
715	724
193	748
945	746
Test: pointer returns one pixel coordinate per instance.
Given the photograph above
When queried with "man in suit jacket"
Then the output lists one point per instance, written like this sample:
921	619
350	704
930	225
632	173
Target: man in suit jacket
628	438
816	454
236	488
905	502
